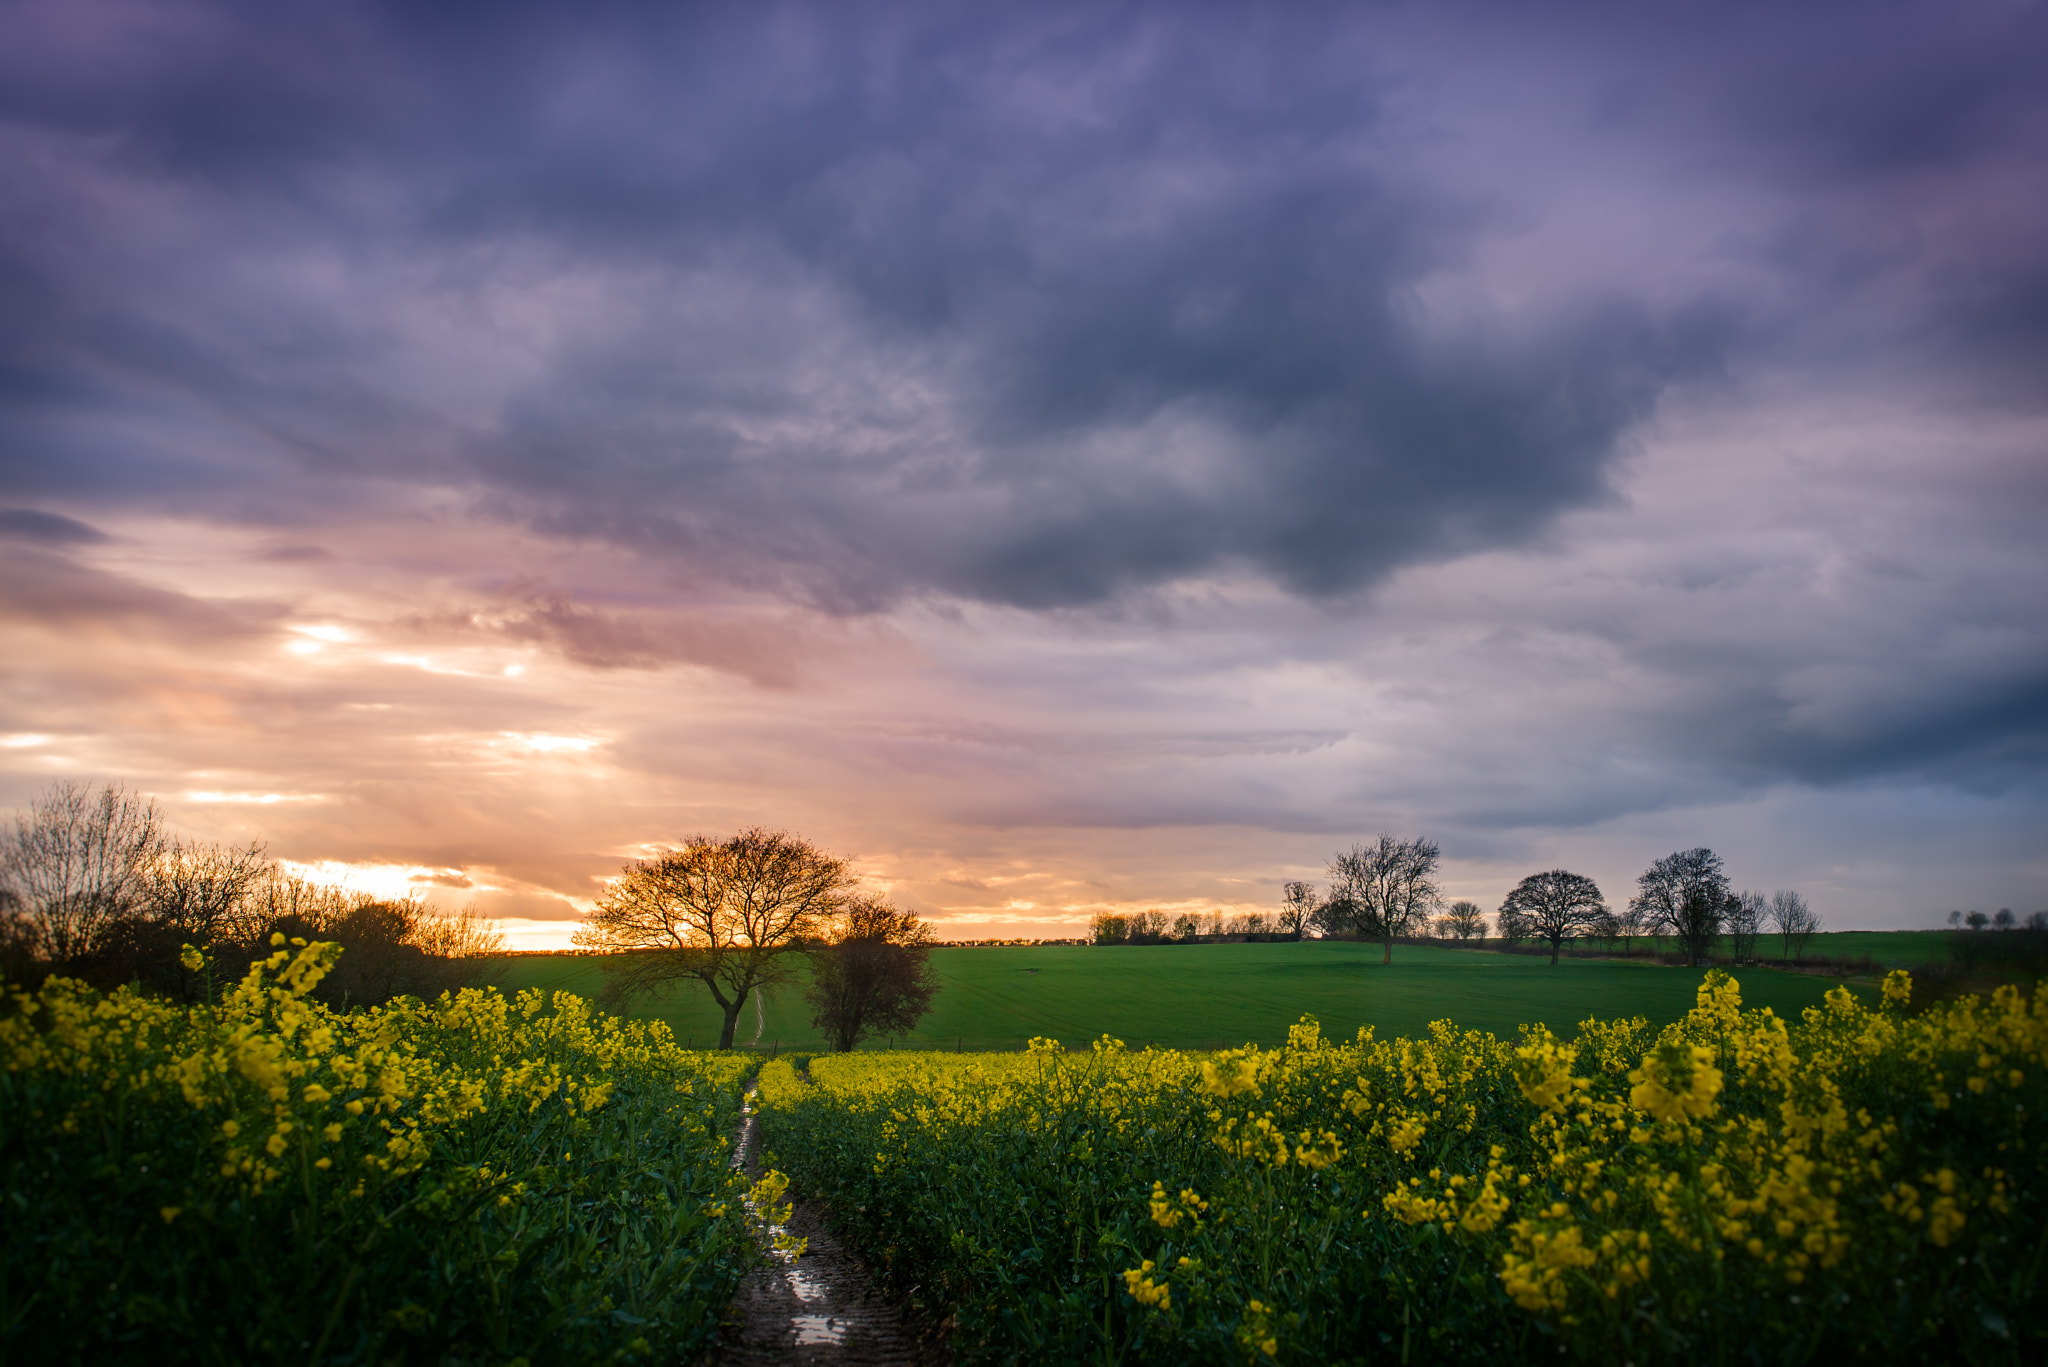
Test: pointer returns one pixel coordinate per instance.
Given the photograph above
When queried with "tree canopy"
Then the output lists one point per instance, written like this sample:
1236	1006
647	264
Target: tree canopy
725	913
1382	890
1685	893
876	978
1555	906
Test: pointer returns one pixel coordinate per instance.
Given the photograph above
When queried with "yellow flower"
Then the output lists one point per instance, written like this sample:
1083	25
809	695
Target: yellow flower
1146	1291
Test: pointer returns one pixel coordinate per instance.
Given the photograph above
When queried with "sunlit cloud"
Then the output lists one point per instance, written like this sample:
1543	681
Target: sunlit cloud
548	745
251	799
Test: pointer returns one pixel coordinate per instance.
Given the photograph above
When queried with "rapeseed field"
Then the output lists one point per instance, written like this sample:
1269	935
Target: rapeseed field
1734	1187
480	1179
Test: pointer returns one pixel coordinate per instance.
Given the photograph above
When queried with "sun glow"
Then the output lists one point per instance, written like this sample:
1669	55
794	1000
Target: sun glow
260	799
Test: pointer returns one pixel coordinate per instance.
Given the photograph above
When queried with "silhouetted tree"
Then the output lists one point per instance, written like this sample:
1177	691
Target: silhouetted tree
875	979
1463	920
1794	921
1624	924
1297	909
1748	913
1555	906
1687	894
74	865
1148	927
1109	929
1382	890
726	913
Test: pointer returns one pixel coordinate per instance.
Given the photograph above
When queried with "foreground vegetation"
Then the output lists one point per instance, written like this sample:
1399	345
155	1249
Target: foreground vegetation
474	1180
1731	1187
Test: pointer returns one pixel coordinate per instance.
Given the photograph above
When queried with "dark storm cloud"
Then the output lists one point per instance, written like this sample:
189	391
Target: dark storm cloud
1040	306
1094	239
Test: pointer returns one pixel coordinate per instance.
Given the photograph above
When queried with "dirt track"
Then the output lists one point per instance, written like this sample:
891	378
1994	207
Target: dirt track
821	1308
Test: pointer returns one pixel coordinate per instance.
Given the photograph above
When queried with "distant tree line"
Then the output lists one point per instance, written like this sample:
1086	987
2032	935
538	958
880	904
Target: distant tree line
1389	890
1156	928
2001	940
94	886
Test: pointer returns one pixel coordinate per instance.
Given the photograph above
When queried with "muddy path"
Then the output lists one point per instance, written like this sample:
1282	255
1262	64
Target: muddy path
822	1307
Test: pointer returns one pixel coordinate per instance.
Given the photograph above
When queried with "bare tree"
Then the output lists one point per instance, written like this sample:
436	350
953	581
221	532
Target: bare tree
1748	913
203	894
463	934
1148	927
1685	893
725	913
1793	920
1297	909
1186	927
1555	906
876	978
75	865
1625	923
1463	920
1383	890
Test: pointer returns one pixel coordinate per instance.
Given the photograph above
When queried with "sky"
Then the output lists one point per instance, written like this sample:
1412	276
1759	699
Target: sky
1060	457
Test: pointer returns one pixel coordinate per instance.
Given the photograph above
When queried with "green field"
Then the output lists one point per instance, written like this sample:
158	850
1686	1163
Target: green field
1205	996
1890	948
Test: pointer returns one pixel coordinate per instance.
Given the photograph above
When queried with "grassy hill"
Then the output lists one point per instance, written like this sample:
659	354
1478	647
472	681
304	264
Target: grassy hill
1204	996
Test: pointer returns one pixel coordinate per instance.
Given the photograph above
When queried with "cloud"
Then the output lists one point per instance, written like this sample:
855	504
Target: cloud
1030	313
30	524
1127	447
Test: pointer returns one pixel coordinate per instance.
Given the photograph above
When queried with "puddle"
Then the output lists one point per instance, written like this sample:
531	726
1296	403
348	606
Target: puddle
808	1289
817	1329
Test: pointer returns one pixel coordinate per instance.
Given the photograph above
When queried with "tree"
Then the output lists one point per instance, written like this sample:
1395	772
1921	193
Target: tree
1297	909
1555	906
726	913
1148	927
876	978
1794	920
1382	890
1187	928
1465	921
2003	920
1748	914
1109	929
202	894
1685	893
75	865
1625	923
1511	927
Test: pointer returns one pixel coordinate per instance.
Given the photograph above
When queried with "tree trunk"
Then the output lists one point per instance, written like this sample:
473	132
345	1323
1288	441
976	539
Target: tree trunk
732	1023
1387	948
1555	945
